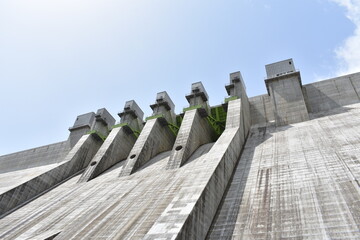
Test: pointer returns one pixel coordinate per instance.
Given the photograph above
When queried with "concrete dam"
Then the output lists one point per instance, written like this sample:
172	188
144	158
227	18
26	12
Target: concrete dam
282	165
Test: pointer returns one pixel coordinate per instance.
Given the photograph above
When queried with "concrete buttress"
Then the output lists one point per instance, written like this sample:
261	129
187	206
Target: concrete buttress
118	144
156	136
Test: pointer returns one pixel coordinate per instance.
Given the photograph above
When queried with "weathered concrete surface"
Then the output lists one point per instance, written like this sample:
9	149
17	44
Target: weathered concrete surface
296	182
333	93
287	99
116	147
35	157
154	139
189	215
108	207
194	132
261	109
76	160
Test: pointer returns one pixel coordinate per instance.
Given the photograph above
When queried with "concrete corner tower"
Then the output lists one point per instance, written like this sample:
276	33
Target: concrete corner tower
284	87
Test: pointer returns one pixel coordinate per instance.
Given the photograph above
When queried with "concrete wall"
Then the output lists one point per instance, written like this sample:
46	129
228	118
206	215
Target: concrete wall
40	156
333	93
261	109
298	181
319	97
77	159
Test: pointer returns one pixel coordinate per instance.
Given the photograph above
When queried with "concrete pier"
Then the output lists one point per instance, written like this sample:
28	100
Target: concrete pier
285	90
156	137
118	144
195	130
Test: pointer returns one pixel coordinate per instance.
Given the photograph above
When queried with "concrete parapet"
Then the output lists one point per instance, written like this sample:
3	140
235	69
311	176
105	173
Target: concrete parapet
76	160
332	93
194	132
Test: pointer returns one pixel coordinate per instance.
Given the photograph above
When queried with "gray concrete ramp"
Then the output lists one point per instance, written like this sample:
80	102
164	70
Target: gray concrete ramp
77	159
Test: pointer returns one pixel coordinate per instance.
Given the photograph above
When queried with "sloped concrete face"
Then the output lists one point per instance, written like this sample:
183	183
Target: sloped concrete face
116	147
194	132
296	182
76	160
154	138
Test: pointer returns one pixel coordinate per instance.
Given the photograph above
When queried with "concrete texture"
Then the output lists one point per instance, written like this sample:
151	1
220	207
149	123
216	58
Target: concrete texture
296	182
287	99
116	147
259	180
194	132
333	93
36	157
156	137
118	144
261	109
76	160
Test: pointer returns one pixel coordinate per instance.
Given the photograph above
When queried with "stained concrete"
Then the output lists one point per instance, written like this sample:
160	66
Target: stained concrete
156	137
194	132
116	147
255	182
76	160
118	144
296	182
287	99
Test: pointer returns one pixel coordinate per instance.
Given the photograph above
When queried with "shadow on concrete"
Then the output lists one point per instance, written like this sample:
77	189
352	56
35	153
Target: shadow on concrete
224	222
320	104
154	160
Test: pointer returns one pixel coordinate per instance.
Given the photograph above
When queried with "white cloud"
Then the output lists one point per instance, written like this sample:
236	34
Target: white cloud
349	52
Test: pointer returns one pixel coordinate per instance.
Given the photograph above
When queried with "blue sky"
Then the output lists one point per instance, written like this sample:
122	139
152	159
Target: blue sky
62	58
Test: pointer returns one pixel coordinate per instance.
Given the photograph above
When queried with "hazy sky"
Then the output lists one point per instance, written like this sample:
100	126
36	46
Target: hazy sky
62	58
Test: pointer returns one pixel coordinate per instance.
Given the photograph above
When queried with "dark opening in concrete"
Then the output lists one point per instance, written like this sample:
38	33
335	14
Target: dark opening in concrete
93	163
132	156
178	148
